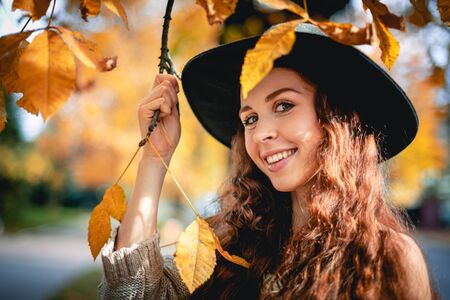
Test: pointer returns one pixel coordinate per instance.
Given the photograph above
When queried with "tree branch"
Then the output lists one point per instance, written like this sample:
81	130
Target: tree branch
165	63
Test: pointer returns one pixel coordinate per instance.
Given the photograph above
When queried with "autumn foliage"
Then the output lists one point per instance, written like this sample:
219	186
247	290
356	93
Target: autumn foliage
47	70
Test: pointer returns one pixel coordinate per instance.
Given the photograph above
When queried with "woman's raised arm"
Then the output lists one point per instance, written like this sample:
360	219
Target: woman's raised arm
139	222
133	265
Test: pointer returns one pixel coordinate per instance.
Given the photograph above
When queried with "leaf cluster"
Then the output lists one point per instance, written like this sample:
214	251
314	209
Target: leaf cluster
44	71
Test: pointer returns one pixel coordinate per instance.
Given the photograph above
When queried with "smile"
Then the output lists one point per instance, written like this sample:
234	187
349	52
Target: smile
279	156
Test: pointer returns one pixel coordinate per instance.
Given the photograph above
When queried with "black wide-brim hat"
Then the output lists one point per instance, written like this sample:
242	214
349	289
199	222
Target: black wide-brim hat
351	80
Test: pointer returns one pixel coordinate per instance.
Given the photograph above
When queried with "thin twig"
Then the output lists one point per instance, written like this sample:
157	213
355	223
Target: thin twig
28	21
167	245
173	69
305	6
51	14
129	163
165	35
174	179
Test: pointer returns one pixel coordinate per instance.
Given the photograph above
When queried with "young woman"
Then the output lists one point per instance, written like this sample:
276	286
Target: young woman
305	202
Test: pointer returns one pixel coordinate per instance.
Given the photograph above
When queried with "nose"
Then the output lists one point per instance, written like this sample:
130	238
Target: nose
264	131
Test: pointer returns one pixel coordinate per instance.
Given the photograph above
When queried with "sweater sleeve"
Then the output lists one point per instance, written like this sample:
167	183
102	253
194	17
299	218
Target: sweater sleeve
139	272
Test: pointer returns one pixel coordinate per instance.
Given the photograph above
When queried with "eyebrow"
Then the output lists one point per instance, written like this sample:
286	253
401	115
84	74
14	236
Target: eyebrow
270	97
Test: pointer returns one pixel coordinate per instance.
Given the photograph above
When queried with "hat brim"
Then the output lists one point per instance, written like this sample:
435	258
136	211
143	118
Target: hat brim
351	79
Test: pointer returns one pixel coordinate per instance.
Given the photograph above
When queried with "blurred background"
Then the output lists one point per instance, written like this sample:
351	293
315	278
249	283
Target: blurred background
52	175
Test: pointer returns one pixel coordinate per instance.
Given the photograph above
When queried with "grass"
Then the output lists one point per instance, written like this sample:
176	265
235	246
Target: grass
36	215
82	287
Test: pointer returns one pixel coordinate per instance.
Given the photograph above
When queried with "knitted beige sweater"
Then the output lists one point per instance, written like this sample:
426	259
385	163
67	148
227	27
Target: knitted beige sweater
139	272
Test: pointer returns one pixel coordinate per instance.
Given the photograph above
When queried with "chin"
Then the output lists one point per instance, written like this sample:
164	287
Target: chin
285	186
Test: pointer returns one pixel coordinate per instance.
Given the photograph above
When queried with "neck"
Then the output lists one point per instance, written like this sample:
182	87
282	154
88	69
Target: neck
300	213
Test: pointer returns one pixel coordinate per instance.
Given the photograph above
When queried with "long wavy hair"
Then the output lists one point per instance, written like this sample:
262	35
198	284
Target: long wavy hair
348	247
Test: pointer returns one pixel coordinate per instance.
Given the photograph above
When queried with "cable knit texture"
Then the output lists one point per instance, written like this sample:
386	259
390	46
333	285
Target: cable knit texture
139	272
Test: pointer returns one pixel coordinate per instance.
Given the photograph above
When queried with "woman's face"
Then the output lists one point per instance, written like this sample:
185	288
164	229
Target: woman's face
282	131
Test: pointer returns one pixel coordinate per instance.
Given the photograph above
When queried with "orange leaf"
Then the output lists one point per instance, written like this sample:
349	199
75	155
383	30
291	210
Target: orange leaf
86	51
444	10
99	229
232	258
195	256
115	202
28	105
258	62
89	8
36	8
348	34
217	10
47	74
389	46
421	15
116	7
285	4
2	109
381	11
11	47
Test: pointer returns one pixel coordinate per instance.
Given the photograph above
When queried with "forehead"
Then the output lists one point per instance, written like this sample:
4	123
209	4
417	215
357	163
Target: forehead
278	78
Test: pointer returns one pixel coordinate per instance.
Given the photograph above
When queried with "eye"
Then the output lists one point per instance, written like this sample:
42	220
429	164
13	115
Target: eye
283	106
250	120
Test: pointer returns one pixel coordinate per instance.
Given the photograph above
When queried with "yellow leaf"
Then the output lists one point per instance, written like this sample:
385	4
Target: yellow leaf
348	34
99	229
36	8
285	4
86	51
217	10
196	254
381	11
116	7
444	10
11	47
232	258
258	61
47	74
2	109
115	202
389	46
89	8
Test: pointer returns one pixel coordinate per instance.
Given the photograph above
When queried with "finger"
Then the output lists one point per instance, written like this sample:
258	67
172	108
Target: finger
148	110
164	90
170	92
171	78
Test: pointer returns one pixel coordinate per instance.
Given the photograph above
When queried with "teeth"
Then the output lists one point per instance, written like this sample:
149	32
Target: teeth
279	156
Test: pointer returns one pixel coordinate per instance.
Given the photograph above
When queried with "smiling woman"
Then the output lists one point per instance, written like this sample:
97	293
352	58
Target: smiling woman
282	132
305	202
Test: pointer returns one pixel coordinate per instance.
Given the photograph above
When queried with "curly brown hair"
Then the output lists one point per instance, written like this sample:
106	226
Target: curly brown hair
347	249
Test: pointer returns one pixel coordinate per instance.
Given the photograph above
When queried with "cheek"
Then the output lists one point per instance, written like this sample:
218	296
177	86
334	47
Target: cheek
251	148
